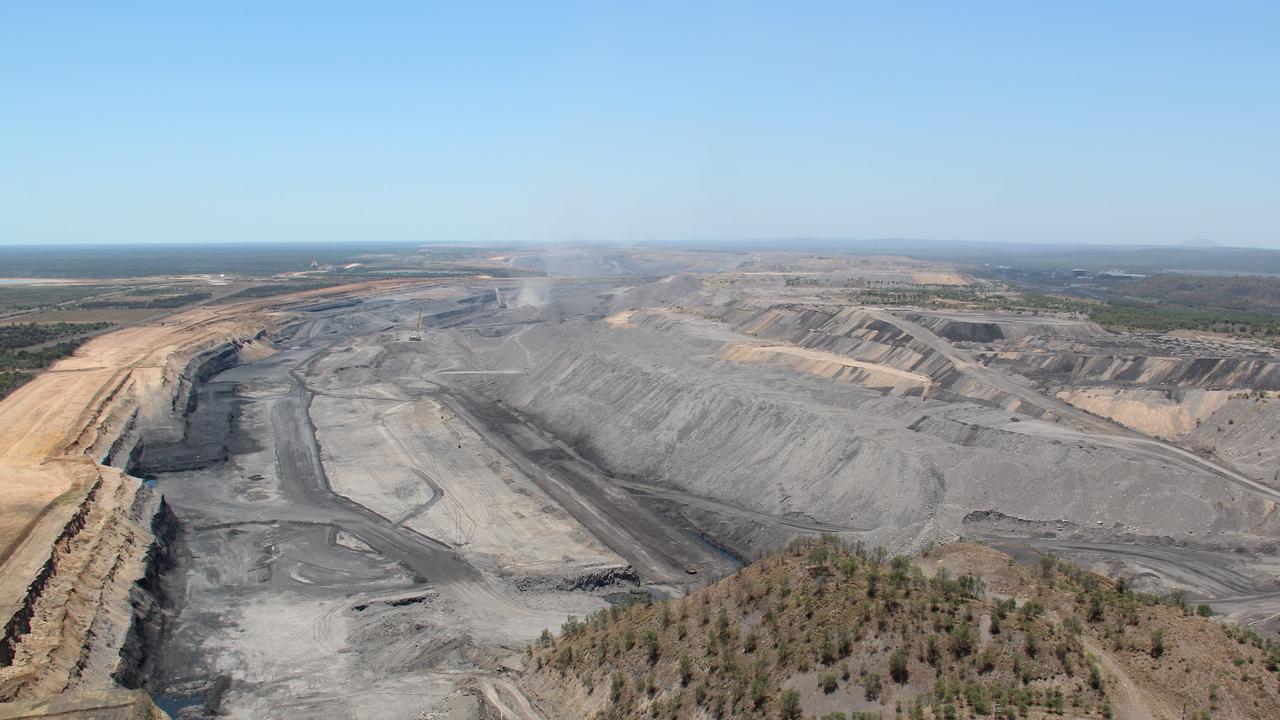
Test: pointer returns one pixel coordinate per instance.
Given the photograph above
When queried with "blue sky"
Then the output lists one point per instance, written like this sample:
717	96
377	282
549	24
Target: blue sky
1023	121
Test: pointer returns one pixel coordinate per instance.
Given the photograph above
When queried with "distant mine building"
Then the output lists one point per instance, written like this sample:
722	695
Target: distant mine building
1079	272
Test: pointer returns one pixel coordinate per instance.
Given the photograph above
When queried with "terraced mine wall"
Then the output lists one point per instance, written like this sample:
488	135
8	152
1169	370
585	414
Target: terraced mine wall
857	334
95	609
197	426
1240	427
906	469
1008	327
92	608
1144	370
1192	400
1205	399
860	336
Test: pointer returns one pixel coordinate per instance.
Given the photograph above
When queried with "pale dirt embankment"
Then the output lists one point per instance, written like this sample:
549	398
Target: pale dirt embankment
831	366
77	535
1152	412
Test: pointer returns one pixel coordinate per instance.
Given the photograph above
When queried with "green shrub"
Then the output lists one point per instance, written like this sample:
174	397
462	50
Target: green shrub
871	686
986	662
617	687
962	640
932	654
789	705
898	666
759	691
652	649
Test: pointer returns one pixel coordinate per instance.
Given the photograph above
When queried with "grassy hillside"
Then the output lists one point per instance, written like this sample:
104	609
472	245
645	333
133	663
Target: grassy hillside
827	631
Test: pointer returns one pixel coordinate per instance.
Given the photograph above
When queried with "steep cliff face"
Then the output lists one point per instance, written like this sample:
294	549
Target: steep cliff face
93	608
196	416
81	610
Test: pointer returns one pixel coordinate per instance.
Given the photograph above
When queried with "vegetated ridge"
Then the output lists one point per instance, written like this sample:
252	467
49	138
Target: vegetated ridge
26	349
29	334
831	631
1161	303
148	301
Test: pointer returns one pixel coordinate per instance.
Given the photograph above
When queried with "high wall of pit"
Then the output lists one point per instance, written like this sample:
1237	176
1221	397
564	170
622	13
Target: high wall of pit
82	606
90	611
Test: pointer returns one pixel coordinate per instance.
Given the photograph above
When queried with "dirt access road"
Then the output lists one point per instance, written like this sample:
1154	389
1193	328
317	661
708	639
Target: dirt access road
362	593
1214	577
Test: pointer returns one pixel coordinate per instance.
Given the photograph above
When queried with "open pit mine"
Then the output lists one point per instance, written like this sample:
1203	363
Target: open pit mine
287	507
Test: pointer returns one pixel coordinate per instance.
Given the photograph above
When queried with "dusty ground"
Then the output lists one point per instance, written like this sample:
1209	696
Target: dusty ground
736	395
374	527
78	539
53	427
377	527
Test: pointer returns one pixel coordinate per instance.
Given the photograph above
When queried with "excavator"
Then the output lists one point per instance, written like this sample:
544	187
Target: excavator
416	334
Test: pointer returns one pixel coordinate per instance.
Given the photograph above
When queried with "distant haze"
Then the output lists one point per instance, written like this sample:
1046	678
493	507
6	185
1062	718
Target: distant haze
1126	123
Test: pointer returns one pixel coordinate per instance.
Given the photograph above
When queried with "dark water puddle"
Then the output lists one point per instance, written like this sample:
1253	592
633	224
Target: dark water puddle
175	704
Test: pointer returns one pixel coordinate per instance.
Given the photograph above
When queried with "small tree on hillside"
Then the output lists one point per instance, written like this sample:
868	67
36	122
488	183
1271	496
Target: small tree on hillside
898	666
651	645
789	705
1157	643
1047	562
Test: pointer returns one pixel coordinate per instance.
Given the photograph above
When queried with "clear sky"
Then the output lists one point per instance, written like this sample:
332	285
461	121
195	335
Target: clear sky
1022	121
